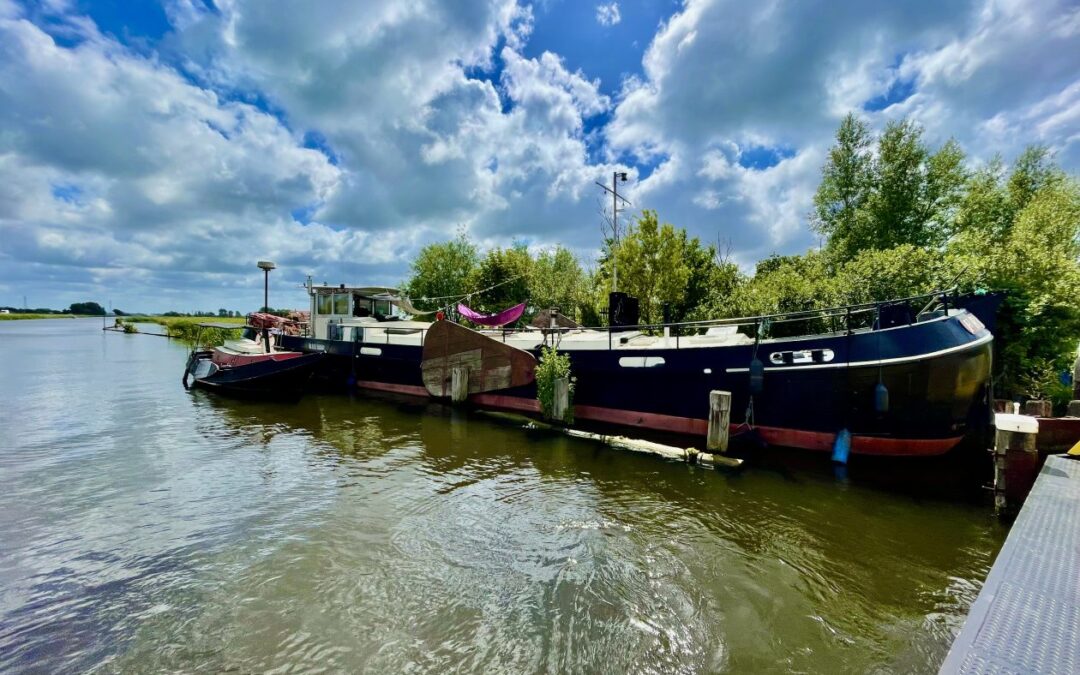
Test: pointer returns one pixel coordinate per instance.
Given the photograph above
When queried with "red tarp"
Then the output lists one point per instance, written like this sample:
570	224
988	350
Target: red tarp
289	326
501	319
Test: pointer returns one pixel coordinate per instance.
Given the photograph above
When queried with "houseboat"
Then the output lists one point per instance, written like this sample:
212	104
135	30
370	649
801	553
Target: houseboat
907	377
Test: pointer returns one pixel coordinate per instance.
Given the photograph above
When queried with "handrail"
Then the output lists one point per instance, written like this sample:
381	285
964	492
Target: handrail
780	317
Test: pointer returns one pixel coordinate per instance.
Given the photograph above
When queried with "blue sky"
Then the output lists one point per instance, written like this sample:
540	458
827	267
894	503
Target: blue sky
151	152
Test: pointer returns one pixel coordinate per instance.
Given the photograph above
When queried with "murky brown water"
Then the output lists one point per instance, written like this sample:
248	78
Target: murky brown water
148	529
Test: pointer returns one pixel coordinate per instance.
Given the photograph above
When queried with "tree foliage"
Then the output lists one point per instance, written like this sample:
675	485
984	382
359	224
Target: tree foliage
88	308
442	270
557	280
653	264
503	276
901	194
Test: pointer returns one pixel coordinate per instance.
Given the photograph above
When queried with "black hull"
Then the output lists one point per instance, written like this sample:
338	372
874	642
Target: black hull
936	374
264	379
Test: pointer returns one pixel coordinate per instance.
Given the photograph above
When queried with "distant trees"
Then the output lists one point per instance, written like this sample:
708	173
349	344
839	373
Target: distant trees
87	308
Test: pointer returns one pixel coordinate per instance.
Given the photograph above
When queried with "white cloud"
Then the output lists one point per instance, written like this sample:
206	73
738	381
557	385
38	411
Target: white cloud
393	123
723	76
607	14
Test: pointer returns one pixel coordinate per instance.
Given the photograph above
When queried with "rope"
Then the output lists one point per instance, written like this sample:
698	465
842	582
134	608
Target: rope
454	299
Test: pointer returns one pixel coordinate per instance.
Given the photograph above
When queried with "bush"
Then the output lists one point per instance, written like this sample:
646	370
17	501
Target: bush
553	366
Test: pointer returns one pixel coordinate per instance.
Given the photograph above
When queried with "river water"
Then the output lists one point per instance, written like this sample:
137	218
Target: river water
146	528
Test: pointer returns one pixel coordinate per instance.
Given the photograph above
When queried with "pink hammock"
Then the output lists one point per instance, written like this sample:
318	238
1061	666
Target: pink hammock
501	319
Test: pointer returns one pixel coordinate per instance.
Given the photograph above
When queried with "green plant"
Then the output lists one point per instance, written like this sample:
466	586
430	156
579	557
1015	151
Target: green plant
128	327
553	366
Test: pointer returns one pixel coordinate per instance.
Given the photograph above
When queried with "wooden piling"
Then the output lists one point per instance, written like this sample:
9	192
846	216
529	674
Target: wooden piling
1038	408
561	399
459	383
719	420
1016	461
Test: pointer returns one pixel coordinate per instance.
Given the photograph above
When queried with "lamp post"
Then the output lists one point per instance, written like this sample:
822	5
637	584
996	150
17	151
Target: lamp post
615	178
266	266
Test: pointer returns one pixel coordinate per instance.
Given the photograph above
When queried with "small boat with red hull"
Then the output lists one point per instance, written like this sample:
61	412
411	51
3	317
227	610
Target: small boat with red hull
251	366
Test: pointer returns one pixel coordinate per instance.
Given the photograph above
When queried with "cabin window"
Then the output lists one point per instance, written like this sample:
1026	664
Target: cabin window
341	304
802	356
382	307
326	304
371	351
641	361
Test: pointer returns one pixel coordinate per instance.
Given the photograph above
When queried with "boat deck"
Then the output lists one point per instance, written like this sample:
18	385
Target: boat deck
1027	616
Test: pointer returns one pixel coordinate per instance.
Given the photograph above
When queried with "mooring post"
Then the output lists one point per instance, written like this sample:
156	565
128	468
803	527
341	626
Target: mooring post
1016	460
561	399
719	420
459	383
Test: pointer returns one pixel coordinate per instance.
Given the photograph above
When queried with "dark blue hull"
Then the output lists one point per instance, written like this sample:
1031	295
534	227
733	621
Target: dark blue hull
265	379
936	375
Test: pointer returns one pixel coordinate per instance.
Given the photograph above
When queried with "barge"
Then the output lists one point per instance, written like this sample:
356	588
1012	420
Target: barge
907	377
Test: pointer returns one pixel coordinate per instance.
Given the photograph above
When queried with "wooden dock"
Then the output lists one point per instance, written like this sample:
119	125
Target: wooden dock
1027	616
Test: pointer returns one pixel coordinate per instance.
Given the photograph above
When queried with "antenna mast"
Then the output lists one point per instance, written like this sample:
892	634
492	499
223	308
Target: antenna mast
616	176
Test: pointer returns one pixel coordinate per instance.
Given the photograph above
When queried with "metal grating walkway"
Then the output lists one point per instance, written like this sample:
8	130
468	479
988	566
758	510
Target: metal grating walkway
1027	616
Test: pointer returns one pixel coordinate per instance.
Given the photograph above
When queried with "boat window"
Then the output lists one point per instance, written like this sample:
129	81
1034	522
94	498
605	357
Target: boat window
370	351
341	303
383	307
801	356
641	361
326	304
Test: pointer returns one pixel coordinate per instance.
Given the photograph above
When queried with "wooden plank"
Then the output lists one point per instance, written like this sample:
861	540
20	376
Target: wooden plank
492	365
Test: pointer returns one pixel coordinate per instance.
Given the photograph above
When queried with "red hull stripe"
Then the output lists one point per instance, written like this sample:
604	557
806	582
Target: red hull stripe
507	402
409	389
791	438
630	418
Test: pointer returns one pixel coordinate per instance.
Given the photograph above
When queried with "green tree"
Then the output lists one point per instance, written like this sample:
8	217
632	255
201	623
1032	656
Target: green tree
903	195
506	272
653	265
442	270
89	308
557	280
846	181
1035	260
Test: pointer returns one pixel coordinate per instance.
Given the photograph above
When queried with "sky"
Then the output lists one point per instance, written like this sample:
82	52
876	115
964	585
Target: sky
152	152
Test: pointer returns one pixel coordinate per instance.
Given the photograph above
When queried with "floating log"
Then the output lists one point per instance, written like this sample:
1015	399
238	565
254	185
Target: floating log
492	365
690	455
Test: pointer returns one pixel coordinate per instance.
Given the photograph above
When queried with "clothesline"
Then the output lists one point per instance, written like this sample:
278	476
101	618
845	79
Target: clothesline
454	299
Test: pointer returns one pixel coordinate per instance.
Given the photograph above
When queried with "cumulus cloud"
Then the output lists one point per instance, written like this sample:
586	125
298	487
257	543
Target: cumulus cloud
342	139
721	77
607	14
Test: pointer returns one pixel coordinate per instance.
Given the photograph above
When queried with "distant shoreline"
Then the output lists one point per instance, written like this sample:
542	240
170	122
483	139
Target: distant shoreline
24	317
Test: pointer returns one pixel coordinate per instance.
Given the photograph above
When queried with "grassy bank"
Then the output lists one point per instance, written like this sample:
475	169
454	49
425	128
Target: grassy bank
16	317
186	328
